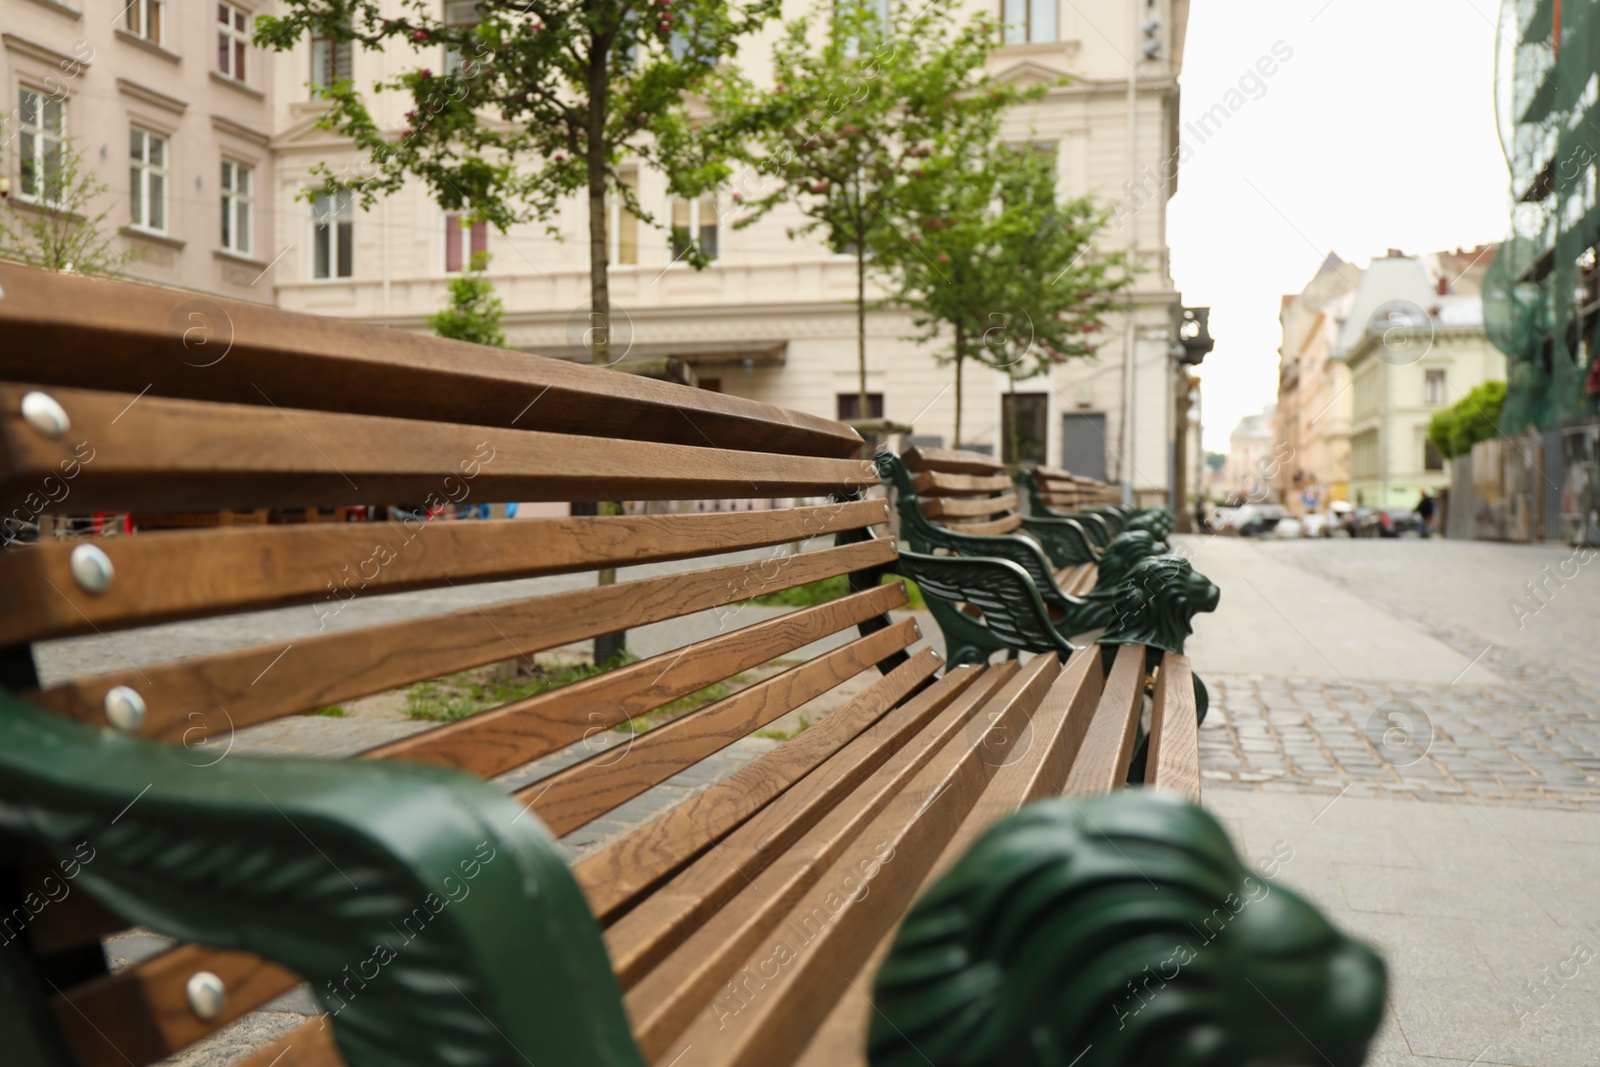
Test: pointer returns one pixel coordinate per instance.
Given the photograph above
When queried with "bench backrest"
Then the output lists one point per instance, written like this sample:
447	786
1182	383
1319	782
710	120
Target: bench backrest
130	399
1071	492
965	491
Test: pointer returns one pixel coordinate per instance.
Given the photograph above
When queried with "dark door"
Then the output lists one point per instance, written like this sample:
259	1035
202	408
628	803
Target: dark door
1023	425
1083	445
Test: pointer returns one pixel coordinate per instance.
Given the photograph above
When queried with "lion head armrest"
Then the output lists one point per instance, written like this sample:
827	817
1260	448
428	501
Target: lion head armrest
1117	931
432	915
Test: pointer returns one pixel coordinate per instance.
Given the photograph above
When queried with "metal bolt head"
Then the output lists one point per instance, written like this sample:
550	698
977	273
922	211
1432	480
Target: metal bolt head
91	568
916	629
124	708
41	411
206	995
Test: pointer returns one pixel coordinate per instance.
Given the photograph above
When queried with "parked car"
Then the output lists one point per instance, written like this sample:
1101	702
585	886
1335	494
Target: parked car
1386	522
1289	527
1252	520
1338	524
1314	524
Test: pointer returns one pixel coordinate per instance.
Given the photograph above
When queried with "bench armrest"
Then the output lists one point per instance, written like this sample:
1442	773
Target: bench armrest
1127	924
1014	615
433	916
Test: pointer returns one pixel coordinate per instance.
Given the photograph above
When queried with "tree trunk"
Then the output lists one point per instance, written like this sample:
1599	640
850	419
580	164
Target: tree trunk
961	359
1013	438
598	334
863	409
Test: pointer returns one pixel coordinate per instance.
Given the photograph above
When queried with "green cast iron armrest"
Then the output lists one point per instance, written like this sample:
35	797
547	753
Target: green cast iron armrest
1119	931
1065	541
432	914
1077	615
1015	617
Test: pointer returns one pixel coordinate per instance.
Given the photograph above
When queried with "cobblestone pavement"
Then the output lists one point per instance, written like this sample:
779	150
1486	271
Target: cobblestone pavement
1456	702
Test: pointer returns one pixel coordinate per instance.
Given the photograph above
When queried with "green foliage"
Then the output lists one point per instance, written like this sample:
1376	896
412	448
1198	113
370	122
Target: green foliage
774	734
332	711
60	230
994	264
546	100
461	695
856	110
1473	418
821	592
474	311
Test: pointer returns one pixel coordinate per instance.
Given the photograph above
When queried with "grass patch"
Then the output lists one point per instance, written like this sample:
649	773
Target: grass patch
786	735
813	593
332	711
462	695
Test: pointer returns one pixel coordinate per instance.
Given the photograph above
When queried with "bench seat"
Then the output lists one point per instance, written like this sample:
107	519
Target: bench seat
426	903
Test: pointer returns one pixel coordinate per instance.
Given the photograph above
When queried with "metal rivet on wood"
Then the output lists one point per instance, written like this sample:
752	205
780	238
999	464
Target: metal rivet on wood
124	708
206	995
91	568
44	414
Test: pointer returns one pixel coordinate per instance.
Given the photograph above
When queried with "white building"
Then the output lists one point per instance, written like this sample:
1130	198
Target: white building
771	319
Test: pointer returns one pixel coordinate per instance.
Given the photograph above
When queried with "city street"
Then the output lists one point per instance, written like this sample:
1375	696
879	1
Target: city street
1432	767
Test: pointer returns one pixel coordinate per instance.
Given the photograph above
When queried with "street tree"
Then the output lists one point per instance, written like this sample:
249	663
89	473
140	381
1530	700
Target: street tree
58	227
474	311
999	270
857	107
517	105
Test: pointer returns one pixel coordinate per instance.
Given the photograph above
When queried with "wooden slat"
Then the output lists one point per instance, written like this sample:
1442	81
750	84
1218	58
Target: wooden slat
1048	748
161	577
1102	763
933	483
946	461
669	997
495	741
941	507
843	793
1174	759
62	329
617	875
100	1007
256	684
141	1015
158	454
574	796
1077	579
308	1045
831	927
999	526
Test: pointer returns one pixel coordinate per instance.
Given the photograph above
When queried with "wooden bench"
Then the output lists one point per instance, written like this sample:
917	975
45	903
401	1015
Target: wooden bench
433	917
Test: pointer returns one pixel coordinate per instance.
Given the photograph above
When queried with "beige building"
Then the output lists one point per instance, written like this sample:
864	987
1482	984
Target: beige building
1252	457
190	125
168	103
1312	409
1414	343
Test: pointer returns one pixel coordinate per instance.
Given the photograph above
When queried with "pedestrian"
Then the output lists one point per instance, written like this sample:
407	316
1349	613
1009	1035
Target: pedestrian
1425	514
1201	515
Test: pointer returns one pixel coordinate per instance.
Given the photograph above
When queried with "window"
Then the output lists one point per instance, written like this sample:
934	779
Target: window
622	225
147	179
145	19
459	15
694	222
1024	418
330	61
850	406
332	236
1433	390
1028	21
1431	459
479	242
236	182
233	38
42	126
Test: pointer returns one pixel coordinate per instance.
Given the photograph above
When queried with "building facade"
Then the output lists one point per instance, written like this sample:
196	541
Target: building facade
194	130
1414	343
168	104
1308	411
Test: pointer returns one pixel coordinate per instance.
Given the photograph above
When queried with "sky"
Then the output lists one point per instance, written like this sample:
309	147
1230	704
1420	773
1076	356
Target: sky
1377	132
